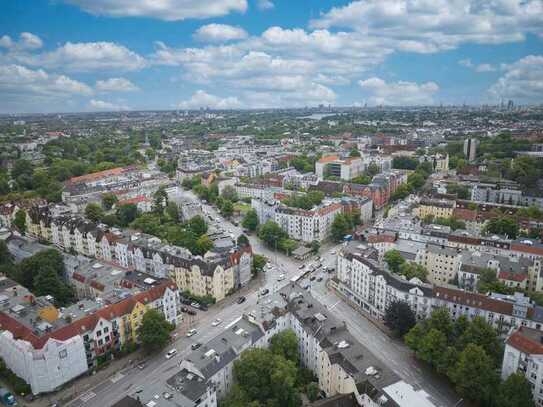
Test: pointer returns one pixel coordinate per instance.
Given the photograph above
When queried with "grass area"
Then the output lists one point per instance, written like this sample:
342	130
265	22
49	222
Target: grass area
242	207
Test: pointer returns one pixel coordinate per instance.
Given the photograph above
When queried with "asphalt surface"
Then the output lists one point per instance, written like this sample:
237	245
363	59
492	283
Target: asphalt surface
157	368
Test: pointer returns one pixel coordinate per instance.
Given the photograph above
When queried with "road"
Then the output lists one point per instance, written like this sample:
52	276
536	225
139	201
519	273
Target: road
394	354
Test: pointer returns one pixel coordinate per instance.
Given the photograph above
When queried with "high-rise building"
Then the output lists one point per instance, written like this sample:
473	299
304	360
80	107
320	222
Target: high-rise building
470	148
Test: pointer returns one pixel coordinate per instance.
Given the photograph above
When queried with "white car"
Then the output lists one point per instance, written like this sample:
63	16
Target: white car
191	333
171	353
217	322
281	277
332	252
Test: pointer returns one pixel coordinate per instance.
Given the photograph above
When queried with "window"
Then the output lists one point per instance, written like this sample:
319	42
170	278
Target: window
63	354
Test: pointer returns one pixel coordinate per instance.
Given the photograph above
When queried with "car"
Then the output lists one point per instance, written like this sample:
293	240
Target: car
301	267
141	366
217	322
185	301
195	346
319	279
195	305
264	291
280	277
313	278
332	252
306	287
192	332
191	311
167	395
241	300
171	353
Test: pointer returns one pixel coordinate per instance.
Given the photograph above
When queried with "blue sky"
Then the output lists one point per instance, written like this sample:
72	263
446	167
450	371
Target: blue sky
91	55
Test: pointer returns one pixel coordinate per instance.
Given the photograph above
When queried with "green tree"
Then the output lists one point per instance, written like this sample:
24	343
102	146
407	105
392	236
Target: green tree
94	212
315	246
413	270
502	226
405	163
373	169
354	152
160	200
481	333
227	208
108	200
285	344
126	214
258	263
312	391
35	264
394	260
399	317
361	179
198	225
250	220
203	245
172	211
154	331
287	245
474	374
340	227
48	282
20	221
230	193
242	240
515	391
271	233
416	180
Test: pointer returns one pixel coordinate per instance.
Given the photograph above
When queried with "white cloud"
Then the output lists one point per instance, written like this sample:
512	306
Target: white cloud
522	81
27	41
169	10
88	56
201	99
436	25
399	93
116	85
102	105
477	68
219	33
264	4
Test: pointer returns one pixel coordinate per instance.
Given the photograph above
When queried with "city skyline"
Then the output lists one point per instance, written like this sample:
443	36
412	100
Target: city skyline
237	54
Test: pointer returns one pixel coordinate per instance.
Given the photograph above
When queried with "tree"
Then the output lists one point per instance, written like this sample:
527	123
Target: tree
94	212
230	193
405	163
481	333
361	179
271	233
285	344
154	331
502	226
250	220
172	211
373	169
394	260
160	200
287	245
108	200
315	246
227	208
198	225
354	152
515	391
340	227
258	263
413	270
416	180
474	375
312	390
399	317
203	245
48	282
20	221
127	214
242	240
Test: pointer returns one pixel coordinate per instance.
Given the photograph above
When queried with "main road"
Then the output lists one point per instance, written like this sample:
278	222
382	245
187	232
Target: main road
158	369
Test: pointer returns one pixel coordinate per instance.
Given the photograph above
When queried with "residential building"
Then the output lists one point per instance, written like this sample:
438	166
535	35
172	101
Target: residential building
438	208
334	166
470	148
442	263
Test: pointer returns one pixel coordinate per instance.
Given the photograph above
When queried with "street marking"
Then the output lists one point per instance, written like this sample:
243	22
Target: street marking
87	396
117	377
333	306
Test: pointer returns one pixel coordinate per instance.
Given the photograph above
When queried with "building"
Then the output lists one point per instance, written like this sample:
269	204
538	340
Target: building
334	166
438	208
442	263
524	354
470	148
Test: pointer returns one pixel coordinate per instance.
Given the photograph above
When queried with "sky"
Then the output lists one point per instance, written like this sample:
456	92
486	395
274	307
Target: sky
103	55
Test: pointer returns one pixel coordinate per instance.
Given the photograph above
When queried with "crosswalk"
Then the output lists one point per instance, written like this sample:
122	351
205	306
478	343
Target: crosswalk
117	377
87	396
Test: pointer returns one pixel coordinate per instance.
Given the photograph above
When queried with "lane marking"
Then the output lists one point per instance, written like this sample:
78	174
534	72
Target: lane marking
87	396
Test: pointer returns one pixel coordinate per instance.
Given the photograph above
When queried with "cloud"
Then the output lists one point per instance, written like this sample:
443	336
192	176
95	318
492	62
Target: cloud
169	10
522	81
27	41
201	99
437	25
265	4
102	105
116	85
25	90
477	68
398	93
88	56
219	33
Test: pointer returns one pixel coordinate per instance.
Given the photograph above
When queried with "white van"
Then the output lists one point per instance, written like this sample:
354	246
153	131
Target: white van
171	353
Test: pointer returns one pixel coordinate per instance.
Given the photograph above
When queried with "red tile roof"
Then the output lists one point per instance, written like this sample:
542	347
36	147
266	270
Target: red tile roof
506	275
473	300
524	340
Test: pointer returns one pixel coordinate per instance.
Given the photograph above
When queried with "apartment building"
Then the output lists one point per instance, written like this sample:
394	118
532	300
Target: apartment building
442	263
47	347
334	166
435	207
524	354
364	283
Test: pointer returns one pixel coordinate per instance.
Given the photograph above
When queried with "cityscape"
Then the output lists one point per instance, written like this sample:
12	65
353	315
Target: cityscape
255	203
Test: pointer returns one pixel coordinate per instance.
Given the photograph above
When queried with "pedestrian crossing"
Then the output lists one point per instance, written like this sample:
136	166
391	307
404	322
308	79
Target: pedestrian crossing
87	396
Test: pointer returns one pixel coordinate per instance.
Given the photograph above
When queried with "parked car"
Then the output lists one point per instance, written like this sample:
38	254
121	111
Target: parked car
301	267
312	278
241	300
195	346
185	301
319	279
203	307
217	322
141	366
264	291
192	332
195	305
280	277
171	353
